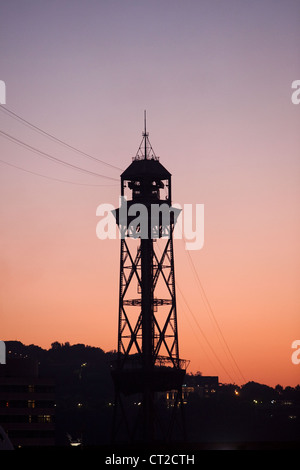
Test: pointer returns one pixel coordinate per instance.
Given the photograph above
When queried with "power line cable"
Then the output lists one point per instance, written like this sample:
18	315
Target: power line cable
205	337
210	317
50	157
183	309
202	332
51	136
211	313
53	178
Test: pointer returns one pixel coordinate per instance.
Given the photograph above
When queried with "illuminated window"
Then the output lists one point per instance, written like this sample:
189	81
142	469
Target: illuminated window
44	418
30	388
31	403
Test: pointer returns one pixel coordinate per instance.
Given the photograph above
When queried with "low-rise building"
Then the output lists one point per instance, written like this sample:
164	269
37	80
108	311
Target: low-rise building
26	404
203	386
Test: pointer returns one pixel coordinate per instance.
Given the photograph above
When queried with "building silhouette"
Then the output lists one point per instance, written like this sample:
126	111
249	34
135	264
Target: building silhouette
202	386
26	404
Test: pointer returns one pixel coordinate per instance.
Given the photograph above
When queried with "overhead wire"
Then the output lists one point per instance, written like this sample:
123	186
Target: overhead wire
62	162
179	300
202	332
54	159
53	178
56	139
204	336
212	316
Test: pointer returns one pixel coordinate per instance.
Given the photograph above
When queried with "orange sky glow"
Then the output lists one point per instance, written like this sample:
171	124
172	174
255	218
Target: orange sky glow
216	83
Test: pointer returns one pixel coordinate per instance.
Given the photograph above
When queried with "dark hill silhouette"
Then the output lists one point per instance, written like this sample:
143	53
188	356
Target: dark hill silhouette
84	396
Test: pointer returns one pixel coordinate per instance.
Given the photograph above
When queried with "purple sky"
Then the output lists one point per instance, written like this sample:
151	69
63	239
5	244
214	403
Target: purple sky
215	78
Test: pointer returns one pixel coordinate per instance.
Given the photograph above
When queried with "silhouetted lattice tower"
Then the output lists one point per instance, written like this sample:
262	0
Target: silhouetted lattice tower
148	354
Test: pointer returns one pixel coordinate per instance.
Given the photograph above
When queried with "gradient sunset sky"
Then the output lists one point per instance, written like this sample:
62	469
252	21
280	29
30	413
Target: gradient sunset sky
215	78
